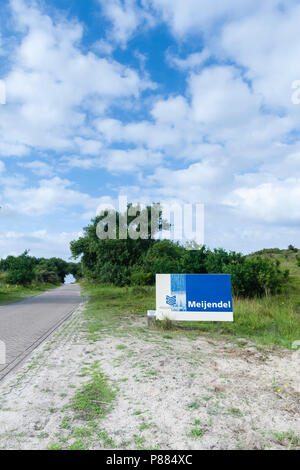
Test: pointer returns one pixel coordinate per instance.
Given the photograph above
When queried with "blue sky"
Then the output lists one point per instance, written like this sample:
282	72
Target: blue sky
160	100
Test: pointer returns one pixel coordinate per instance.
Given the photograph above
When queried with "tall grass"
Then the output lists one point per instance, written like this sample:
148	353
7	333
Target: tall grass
271	321
13	293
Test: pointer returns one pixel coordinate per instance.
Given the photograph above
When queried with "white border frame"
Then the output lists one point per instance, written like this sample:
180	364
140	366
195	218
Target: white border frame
194	316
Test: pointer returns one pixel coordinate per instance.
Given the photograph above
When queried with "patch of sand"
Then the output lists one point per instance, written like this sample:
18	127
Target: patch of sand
172	392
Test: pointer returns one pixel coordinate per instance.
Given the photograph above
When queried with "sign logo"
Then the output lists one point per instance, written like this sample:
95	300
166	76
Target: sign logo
171	300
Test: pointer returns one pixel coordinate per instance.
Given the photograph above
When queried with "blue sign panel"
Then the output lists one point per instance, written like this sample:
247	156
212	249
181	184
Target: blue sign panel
210	292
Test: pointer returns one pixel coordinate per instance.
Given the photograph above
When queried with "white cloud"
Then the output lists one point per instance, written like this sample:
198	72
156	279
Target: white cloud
117	160
196	16
39	168
192	61
41	243
284	166
126	17
201	178
171	110
130	160
266	44
49	197
221	97
52	84
277	202
228	140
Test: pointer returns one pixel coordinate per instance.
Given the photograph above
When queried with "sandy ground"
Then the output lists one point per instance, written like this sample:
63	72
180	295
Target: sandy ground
171	393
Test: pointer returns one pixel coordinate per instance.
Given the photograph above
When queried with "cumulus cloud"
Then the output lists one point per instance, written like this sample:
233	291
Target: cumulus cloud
126	18
269	59
117	160
42	243
271	202
49	196
192	61
51	83
219	95
229	138
39	168
194	16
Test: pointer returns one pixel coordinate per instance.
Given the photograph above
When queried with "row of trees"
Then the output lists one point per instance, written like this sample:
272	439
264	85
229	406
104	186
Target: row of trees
25	269
135	262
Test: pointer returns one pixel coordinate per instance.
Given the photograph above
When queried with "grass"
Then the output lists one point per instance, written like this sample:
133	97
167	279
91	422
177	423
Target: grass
54	446
108	306
14	293
235	412
197	431
288	439
79	444
93	400
106	440
194	405
271	321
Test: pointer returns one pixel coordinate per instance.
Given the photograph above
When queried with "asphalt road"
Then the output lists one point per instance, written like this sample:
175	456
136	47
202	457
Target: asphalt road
24	325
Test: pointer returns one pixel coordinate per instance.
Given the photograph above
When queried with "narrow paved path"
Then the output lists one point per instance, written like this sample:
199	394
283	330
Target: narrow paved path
25	324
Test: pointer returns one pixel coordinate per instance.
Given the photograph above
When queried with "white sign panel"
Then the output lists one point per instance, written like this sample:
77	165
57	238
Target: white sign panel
194	297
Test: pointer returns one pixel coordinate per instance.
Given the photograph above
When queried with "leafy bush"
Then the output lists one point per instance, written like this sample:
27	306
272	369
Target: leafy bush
140	278
25	269
216	261
43	275
124	262
194	261
20	270
163	257
256	276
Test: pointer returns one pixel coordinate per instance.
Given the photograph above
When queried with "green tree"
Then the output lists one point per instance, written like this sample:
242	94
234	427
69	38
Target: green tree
114	260
20	270
256	276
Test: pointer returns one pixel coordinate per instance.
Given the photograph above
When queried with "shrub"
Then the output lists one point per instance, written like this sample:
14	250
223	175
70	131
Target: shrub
256	276
125	262
20	276
42	275
140	278
24	269
20	269
164	257
292	248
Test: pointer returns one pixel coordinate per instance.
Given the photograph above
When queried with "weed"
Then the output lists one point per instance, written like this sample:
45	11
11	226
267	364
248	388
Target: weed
54	446
106	440
81	432
288	439
235	412
197	431
78	445
194	405
94	398
65	424
139	441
